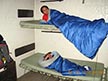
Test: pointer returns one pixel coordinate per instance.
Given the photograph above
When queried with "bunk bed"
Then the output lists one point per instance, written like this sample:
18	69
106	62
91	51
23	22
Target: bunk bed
98	72
35	24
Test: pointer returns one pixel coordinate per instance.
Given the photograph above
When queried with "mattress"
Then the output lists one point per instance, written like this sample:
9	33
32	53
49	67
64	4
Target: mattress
31	63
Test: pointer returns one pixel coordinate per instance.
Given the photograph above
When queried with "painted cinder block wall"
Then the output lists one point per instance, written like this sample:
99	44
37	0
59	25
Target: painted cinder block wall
14	35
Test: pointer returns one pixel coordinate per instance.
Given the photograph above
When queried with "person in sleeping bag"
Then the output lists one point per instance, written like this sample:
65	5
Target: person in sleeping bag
53	60
45	10
86	35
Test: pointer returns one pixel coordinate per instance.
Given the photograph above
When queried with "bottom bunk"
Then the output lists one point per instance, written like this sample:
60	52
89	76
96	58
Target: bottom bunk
98	72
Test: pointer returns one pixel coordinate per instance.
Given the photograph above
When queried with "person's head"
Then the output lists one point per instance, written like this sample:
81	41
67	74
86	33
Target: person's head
44	9
48	56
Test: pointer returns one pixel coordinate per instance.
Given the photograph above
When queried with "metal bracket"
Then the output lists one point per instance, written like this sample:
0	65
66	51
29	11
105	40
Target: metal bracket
83	1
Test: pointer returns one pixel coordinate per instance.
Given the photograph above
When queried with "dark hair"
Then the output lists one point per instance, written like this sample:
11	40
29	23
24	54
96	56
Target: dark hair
47	54
43	7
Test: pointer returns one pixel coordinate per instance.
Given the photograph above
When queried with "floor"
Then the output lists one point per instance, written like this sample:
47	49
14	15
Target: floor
33	76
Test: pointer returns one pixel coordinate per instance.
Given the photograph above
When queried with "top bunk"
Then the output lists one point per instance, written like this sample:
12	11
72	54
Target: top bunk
35	24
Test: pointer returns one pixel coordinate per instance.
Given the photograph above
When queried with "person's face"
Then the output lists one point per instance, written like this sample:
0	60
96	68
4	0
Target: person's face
45	10
48	56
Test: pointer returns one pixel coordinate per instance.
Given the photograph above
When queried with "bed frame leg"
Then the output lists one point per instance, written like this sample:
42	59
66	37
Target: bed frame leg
105	74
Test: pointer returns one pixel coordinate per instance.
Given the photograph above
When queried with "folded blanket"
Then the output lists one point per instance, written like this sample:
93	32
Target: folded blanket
86	35
64	66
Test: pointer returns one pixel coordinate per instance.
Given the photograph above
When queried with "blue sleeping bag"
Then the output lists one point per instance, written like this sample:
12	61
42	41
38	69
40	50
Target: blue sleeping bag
64	66
86	35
